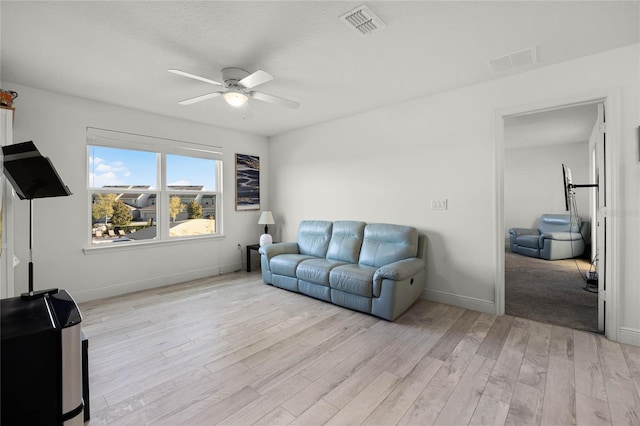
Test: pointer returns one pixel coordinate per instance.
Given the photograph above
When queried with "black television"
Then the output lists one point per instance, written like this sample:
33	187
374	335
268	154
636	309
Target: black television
568	186
31	174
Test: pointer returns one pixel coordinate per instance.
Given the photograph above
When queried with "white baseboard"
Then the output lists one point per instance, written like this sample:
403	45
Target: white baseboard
130	287
629	336
472	303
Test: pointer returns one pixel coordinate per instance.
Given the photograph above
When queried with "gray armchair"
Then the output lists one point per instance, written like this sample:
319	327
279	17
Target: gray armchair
555	238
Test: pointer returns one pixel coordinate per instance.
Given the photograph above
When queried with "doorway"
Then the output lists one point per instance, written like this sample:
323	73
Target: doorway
532	144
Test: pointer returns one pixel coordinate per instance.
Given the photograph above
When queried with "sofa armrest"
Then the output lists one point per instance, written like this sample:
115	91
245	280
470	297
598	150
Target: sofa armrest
560	236
272	250
523	231
398	271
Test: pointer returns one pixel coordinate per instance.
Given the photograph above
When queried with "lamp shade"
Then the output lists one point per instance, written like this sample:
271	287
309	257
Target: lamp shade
266	218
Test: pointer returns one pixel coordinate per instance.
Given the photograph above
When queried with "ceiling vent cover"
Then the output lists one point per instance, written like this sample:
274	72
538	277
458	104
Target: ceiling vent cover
362	20
512	61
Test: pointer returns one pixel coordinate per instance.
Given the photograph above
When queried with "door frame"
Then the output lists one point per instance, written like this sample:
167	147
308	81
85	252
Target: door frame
611	99
7	275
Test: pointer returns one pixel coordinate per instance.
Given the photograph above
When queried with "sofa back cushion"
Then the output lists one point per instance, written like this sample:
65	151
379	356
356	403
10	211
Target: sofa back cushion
559	223
384	243
346	240
313	237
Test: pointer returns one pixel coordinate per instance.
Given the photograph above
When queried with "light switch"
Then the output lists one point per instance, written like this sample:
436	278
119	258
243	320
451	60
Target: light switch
439	204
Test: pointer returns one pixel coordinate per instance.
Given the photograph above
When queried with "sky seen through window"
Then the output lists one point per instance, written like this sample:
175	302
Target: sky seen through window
116	166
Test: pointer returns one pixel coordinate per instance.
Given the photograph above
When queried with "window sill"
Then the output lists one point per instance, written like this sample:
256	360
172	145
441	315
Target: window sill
128	246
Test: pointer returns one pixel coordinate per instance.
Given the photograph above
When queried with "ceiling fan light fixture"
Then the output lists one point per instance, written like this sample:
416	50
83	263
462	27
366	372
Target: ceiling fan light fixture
237	88
235	98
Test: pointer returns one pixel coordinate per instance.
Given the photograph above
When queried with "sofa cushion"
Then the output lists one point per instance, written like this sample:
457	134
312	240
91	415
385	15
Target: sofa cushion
313	237
317	270
560	236
286	264
346	241
384	243
354	279
559	223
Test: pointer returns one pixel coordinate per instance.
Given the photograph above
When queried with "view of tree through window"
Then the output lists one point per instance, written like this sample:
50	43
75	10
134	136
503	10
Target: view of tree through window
131	201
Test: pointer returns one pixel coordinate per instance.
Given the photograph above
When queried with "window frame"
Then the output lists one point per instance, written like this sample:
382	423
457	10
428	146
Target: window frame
161	147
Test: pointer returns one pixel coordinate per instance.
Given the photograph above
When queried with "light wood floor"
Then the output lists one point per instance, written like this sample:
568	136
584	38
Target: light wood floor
232	350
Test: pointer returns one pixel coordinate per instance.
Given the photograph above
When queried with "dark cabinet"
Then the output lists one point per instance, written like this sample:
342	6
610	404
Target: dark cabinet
41	361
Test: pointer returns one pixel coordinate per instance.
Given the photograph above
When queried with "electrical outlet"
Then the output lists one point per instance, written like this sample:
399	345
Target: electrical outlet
439	204
239	246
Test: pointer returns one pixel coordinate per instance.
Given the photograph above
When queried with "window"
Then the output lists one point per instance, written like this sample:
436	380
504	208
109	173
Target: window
142	190
192	209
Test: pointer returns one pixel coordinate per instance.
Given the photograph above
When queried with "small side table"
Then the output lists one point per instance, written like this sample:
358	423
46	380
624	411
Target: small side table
250	247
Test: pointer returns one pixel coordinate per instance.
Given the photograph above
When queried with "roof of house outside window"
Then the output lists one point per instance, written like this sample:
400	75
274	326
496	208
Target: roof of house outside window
186	187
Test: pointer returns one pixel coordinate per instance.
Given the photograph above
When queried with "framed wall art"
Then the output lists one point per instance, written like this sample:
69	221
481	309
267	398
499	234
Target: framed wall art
247	182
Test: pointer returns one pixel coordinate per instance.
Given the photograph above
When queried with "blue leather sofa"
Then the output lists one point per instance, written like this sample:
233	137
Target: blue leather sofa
374	268
555	238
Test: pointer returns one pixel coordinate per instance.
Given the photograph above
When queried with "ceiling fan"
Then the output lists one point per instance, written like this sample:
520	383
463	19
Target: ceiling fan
237	88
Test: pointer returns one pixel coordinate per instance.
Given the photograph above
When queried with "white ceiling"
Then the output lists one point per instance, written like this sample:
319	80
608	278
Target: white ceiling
558	126
118	52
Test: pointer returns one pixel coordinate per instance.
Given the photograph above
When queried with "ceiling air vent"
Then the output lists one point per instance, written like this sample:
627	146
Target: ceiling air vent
362	20
512	61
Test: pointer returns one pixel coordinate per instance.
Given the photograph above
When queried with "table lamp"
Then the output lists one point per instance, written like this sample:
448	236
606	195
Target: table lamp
266	219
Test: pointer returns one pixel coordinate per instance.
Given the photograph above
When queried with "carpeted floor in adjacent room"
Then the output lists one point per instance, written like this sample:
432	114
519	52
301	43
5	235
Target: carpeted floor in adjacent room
550	291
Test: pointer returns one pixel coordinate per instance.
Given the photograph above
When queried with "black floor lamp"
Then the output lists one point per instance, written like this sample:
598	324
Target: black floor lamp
32	176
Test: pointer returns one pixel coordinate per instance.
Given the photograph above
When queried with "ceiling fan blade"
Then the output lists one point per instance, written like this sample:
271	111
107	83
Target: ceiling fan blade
257	78
274	99
200	98
195	77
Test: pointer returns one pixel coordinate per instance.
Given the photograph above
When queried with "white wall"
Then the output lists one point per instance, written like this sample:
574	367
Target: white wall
386	165
57	124
533	182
